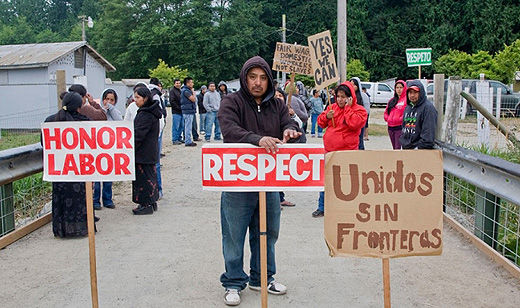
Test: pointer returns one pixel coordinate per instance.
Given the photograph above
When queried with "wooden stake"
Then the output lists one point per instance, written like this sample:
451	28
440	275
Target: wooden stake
328	104
91	245
263	247
386	281
291	88
419	72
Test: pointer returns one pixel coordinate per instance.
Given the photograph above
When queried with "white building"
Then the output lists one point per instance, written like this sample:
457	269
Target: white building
28	91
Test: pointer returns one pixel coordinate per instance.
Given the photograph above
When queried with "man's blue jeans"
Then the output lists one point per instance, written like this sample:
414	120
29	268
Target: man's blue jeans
211	119
321	201
238	212
188	126
177	126
314	123
158	165
361	141
107	194
202	120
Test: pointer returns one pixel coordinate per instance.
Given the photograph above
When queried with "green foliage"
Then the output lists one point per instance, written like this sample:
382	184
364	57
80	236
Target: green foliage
508	61
308	81
167	74
355	68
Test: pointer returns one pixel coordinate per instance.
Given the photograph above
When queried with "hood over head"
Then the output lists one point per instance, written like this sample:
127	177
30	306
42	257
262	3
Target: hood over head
105	91
350	86
256	61
405	88
222	82
416	84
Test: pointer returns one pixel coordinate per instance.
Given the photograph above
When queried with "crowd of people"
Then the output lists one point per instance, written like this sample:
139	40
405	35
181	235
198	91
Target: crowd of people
262	113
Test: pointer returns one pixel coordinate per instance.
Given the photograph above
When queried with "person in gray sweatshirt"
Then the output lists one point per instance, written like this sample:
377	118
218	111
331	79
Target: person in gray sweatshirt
211	102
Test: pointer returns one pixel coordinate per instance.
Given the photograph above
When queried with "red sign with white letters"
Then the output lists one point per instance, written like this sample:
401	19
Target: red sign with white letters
244	167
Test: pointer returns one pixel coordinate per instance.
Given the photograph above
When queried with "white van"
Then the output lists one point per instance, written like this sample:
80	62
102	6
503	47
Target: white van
380	93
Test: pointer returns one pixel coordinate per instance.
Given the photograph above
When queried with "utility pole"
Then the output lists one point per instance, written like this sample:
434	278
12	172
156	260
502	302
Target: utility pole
342	40
83	18
284	76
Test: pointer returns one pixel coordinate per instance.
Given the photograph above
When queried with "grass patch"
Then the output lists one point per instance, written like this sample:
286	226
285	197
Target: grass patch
11	140
377	130
512	154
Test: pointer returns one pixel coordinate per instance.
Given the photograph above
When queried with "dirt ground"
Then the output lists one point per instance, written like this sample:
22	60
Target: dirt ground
174	258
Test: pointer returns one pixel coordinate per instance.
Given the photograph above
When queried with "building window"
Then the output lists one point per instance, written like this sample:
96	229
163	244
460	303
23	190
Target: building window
78	58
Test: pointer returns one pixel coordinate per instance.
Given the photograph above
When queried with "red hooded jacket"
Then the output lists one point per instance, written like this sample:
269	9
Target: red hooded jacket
395	118
348	121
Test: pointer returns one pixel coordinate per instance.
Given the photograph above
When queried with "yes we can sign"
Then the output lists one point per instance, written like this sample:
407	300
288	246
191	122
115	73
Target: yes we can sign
244	167
88	151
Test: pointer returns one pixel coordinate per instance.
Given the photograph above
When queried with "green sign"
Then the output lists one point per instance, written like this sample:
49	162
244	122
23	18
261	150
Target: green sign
419	56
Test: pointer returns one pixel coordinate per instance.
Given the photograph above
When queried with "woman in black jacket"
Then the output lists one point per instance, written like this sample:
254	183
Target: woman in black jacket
146	131
69	208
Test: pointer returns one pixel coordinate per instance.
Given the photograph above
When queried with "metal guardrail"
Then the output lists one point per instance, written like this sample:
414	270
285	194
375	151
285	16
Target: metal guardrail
482	194
23	201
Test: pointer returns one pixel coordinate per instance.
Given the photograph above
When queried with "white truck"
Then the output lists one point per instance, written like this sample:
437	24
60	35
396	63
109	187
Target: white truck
380	93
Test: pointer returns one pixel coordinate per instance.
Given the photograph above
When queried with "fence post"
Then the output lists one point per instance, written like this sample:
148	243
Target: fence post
61	85
483	98
499	103
6	209
451	116
487	213
438	99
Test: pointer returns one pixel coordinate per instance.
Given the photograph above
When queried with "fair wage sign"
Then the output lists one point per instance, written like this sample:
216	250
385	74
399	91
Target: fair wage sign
245	167
418	56
88	151
292	59
384	203
323	61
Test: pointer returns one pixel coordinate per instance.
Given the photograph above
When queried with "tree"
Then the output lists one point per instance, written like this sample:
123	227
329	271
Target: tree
508	62
167	74
355	68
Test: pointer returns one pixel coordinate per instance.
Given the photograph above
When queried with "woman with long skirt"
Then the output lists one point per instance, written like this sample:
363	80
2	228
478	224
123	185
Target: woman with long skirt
145	190
69	209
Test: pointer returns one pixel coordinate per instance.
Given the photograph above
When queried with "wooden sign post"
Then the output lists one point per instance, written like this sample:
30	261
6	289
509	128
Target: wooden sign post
386	210
263	247
91	245
87	152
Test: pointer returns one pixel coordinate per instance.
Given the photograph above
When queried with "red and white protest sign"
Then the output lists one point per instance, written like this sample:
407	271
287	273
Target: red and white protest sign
88	151
244	167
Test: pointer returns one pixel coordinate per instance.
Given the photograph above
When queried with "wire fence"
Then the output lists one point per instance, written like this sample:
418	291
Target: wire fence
493	220
474	131
23	201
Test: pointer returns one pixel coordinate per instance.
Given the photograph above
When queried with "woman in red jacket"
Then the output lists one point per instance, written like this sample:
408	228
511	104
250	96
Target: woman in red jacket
394	113
343	121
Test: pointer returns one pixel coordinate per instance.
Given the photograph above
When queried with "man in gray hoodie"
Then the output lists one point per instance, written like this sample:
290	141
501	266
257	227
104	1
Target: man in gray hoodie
211	103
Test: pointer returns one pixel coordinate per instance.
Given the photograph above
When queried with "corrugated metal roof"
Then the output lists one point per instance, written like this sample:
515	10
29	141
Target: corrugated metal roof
40	55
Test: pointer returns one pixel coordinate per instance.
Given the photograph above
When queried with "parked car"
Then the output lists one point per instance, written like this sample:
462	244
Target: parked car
380	93
510	102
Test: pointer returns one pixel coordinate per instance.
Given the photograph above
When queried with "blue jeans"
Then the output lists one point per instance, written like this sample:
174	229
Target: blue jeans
194	130
202	120
238	212
321	201
314	123
361	142
158	165
107	194
177	126
188	126
211	119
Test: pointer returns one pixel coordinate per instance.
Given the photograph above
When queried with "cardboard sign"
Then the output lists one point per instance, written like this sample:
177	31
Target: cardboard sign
323	61
244	167
384	203
88	151
291	58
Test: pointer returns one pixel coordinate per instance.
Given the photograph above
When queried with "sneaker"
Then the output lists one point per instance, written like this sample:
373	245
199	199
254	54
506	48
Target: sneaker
193	144
97	207
217	139
273	287
110	206
313	135
207	140
197	139
317	213
232	297
177	142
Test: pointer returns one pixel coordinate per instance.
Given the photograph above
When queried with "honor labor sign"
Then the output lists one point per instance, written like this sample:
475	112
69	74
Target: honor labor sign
244	167
88	151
